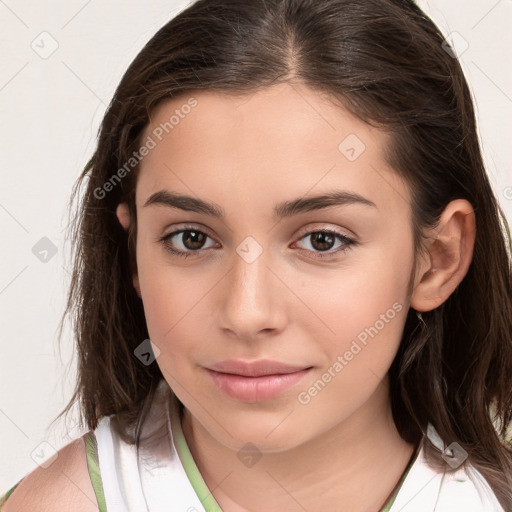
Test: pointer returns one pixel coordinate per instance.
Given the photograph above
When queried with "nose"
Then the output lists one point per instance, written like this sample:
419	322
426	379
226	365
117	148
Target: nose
251	299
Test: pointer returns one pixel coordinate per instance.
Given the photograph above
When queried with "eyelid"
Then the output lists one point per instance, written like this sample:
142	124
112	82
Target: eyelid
188	226
321	226
318	226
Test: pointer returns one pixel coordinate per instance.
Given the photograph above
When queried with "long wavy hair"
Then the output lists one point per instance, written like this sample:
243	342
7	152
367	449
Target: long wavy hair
387	63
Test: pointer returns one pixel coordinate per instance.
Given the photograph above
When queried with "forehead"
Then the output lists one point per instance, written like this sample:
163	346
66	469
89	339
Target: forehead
285	113
285	139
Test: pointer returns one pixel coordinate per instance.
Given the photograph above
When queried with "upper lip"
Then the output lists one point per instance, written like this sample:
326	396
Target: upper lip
255	368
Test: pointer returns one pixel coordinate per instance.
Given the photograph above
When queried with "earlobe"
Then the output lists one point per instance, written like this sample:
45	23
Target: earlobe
123	215
450	250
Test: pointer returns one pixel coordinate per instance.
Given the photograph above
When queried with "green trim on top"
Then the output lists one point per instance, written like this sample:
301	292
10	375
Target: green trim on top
93	466
192	471
4	498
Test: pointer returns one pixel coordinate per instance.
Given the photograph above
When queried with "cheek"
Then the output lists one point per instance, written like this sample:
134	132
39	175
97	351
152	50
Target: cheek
365	335
365	309
367	317
176	309
170	305
355	297
173	328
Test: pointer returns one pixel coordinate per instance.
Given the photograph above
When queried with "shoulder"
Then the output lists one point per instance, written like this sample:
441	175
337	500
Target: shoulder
64	485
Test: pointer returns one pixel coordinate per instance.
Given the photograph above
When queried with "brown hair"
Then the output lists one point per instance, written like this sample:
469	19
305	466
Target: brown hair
387	63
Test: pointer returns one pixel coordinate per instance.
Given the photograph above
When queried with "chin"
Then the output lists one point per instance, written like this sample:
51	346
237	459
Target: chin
268	436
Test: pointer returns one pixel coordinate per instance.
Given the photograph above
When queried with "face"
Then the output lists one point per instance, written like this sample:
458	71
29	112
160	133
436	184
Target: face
267	272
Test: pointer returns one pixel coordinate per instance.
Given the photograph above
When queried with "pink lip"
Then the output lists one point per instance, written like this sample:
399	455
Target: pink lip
257	381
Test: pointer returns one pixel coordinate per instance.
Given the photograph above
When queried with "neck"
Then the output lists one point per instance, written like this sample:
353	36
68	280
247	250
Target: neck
358	463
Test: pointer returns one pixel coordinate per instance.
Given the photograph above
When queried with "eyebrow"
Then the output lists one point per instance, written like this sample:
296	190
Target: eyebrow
281	210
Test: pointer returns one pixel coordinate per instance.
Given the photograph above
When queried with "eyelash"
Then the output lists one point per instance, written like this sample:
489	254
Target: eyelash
348	242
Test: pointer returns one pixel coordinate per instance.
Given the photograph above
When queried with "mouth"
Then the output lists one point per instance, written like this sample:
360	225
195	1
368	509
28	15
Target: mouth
255	382
259	368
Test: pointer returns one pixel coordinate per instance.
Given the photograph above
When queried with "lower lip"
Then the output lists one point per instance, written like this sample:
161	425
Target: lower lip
255	389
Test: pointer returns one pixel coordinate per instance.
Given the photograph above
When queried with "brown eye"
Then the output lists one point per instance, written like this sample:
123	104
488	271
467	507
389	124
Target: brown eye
193	239
185	242
322	241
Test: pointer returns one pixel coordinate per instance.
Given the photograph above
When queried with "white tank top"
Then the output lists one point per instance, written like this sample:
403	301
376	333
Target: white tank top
163	476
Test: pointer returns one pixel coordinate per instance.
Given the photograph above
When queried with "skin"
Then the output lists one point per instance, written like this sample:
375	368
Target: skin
246	154
64	485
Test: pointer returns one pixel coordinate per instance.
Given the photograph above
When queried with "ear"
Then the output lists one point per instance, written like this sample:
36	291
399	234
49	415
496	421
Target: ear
450	252
123	215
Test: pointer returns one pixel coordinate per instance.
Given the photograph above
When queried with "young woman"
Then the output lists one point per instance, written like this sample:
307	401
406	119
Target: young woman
292	286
